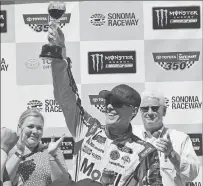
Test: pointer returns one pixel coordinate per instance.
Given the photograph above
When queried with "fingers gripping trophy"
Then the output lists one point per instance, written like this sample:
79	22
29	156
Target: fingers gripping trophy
54	48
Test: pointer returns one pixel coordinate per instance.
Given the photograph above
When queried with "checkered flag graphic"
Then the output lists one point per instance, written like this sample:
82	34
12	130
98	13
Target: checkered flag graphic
62	25
35	27
98	102
101	108
189	63
39	28
167	102
165	65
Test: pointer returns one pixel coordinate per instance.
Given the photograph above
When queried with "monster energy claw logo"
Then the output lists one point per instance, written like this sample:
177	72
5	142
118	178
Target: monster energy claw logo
111	62
98	63
176	17
162	18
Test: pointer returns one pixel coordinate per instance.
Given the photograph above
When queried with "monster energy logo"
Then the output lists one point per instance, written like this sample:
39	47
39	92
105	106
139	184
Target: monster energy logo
162	18
103	62
176	17
98	63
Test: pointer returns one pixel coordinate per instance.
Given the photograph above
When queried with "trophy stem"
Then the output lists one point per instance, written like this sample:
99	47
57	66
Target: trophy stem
56	22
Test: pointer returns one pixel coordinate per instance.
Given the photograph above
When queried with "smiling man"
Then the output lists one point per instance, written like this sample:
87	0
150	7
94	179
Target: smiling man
178	161
108	153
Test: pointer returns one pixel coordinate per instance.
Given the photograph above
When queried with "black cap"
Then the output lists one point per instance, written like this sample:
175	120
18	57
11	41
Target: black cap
124	94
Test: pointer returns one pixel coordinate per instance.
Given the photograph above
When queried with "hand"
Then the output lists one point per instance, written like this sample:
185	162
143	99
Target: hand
55	35
164	145
53	146
22	141
9	139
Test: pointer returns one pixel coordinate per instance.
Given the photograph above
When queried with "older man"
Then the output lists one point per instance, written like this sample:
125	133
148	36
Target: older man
179	163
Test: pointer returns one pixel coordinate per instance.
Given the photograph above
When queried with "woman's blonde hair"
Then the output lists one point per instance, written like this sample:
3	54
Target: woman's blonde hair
29	112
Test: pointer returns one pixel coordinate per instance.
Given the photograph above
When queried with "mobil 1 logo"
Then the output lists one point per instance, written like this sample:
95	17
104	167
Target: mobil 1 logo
112	62
181	17
176	60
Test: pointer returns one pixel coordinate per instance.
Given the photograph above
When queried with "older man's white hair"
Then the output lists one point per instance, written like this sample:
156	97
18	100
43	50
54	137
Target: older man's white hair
154	94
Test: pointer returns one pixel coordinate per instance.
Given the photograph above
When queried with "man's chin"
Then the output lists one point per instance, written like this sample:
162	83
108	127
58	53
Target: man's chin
110	122
151	123
152	126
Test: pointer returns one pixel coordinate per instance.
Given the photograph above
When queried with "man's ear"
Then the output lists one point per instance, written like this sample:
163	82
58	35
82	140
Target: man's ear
135	111
165	109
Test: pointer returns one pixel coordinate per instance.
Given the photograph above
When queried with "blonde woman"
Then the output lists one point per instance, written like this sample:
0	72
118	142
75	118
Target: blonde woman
30	162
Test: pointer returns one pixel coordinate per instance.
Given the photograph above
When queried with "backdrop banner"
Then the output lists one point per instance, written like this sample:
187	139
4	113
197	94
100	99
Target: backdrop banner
143	44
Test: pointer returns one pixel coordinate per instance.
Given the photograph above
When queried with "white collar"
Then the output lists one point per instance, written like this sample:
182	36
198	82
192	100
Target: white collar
147	134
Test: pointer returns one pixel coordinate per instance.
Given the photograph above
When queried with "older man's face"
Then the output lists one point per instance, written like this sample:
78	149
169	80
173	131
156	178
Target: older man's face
152	113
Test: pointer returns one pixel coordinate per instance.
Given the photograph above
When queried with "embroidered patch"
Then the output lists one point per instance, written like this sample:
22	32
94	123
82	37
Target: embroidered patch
125	160
114	155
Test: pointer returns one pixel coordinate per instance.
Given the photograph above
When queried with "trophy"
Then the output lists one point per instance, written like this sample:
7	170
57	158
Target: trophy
56	11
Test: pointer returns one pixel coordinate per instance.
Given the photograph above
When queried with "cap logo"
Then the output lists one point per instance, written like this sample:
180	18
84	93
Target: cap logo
123	90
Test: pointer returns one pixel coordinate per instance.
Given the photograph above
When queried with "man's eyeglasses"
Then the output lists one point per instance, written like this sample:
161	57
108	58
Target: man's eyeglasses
146	109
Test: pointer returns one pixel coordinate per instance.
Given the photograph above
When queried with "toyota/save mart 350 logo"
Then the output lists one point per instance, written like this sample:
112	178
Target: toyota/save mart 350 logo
40	22
176	60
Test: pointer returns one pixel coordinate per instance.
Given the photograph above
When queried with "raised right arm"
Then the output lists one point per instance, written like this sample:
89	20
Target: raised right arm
66	96
65	89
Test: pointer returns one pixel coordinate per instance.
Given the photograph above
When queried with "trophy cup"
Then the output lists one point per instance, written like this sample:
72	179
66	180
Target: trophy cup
56	11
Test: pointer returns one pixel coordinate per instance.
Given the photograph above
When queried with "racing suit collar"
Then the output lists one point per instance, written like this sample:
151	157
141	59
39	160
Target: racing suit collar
121	137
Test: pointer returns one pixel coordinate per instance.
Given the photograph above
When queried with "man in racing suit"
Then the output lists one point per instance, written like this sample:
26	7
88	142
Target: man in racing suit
110	153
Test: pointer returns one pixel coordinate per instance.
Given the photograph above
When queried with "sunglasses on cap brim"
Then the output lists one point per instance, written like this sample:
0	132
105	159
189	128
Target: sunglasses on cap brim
116	102
153	108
